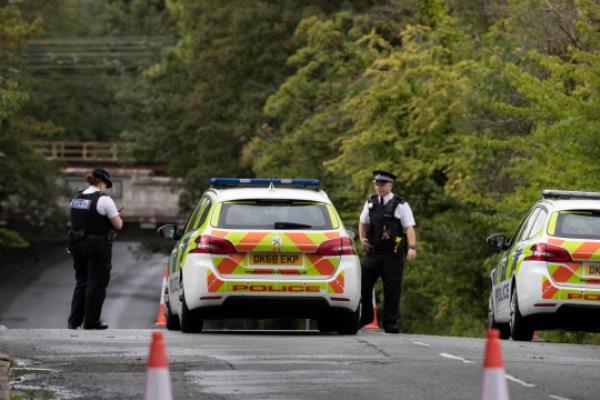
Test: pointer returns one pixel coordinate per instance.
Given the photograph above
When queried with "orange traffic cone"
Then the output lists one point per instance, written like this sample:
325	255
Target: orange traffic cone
373	324
493	382
161	320
158	381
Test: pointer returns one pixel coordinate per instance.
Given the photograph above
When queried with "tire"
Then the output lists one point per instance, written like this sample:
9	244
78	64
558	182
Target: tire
190	321
503	328
347	322
520	330
173	323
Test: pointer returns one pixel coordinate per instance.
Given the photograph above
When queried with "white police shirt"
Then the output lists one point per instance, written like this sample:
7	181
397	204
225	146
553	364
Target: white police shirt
106	205
402	212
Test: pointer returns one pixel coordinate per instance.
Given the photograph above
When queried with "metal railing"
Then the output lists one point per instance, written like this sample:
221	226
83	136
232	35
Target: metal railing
79	151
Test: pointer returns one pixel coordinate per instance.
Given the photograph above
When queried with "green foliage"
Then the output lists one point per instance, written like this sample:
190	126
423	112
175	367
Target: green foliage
88	56
230	58
11	239
305	120
28	193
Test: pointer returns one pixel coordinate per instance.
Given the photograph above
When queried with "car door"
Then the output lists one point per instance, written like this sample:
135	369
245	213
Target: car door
508	261
178	253
190	227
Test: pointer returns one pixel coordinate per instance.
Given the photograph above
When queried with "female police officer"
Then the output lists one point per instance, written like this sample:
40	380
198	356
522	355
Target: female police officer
384	220
94	217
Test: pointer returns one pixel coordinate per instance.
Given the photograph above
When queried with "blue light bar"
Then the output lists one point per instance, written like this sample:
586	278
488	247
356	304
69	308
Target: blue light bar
264	182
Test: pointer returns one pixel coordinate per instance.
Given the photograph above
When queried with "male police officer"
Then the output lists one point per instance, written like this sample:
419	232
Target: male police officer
94	217
384	222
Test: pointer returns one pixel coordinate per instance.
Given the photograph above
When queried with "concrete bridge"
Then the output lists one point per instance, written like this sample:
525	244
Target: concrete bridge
147	195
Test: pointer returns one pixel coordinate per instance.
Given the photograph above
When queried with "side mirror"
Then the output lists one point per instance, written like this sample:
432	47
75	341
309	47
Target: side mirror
498	242
352	232
169	231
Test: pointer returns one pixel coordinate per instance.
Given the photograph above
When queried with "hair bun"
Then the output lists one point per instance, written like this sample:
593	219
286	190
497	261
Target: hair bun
90	178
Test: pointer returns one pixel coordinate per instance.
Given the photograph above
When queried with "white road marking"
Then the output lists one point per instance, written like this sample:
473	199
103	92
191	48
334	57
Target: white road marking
422	344
453	357
520	382
555	397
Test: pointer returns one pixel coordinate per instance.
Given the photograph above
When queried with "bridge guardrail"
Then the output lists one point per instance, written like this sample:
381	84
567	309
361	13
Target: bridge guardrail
80	151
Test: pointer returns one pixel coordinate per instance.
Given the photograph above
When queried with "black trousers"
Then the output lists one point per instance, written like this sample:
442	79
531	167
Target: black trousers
389	266
92	264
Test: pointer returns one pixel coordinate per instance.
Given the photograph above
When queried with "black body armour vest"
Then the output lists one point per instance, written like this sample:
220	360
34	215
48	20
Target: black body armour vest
384	228
85	216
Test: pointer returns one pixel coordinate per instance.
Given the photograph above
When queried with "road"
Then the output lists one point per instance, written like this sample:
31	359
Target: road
295	365
225	364
43	298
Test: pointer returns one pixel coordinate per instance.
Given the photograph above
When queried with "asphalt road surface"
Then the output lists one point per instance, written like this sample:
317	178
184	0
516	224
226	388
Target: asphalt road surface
293	365
225	364
38	295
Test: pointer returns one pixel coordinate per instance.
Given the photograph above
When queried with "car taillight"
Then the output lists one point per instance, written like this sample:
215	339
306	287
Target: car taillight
548	252
213	245
336	247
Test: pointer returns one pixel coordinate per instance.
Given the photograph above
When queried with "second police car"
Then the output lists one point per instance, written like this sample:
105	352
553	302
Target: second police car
263	248
548	276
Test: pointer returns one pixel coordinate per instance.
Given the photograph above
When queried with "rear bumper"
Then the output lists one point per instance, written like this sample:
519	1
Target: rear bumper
543	299
569	316
270	296
270	307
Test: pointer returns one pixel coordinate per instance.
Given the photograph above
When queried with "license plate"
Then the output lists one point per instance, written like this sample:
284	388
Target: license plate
592	270
276	259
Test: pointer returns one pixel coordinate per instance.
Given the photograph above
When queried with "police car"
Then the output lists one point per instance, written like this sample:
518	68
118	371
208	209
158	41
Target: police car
548	276
263	248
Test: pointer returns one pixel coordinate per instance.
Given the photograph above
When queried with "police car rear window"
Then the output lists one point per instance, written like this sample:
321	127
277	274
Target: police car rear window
274	214
578	224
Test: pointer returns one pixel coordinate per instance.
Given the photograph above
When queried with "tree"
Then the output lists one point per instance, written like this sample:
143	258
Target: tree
28	193
229	59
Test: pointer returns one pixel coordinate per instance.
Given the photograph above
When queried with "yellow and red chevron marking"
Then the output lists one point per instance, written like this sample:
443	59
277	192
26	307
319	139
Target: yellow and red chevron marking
219	233
573	272
250	241
579	249
213	283
337	285
275	241
324	265
548	291
307	242
228	264
567	272
304	243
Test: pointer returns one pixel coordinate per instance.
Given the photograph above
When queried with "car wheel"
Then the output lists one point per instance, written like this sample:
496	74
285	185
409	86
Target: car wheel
190	321
503	328
347	322
519	328
172	319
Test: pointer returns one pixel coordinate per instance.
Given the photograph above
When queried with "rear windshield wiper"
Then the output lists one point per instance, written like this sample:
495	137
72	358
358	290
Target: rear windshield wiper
291	225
